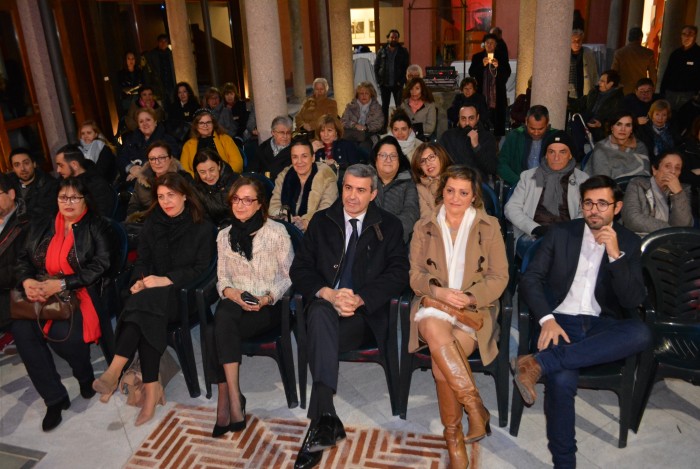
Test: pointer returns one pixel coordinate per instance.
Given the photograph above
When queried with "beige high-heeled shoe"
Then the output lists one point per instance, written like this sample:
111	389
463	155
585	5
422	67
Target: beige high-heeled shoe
148	411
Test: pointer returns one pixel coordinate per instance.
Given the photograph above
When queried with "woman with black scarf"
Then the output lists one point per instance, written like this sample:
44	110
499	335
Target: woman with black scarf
255	255
175	247
304	187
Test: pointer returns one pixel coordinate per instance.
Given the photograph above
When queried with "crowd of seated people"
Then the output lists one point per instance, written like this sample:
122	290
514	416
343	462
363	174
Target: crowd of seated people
423	195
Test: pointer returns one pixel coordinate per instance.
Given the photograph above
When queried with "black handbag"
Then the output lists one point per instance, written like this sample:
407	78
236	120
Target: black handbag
59	307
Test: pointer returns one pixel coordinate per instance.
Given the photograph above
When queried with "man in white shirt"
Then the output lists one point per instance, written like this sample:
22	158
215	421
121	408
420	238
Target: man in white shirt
351	263
581	286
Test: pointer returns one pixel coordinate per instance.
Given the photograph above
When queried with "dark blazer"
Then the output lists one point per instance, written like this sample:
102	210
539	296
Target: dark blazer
551	272
267	161
380	270
345	153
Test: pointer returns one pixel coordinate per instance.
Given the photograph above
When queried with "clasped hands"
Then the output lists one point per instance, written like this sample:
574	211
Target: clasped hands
234	294
41	291
344	300
452	297
150	281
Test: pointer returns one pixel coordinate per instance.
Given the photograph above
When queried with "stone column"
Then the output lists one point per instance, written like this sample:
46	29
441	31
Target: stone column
266	69
697	14
613	31
670	34
297	50
181	41
42	75
324	45
635	14
341	51
552	52
526	45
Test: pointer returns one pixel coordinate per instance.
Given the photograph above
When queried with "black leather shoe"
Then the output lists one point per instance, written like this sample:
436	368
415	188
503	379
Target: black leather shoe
53	414
307	459
86	390
326	433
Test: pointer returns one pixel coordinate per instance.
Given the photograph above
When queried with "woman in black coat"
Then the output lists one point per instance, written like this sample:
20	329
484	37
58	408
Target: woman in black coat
213	178
492	70
70	253
175	247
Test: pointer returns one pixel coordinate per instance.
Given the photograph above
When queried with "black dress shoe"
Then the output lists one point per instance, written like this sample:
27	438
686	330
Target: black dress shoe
307	459
53	414
86	390
326	433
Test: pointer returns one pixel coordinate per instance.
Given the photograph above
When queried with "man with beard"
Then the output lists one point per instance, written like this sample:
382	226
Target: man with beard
471	143
390	71
70	161
38	189
581	285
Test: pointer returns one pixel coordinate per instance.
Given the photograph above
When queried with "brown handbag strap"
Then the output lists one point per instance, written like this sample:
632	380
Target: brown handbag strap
70	328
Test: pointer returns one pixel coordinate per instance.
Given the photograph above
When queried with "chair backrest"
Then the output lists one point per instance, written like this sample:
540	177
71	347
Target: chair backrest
624	181
671	263
295	234
122	241
267	182
529	254
491	203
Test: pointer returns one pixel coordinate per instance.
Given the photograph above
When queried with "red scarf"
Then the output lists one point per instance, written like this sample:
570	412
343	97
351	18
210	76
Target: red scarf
57	263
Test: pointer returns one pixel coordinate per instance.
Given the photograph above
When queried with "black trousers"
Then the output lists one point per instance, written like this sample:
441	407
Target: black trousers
130	340
36	355
387	92
329	335
232	324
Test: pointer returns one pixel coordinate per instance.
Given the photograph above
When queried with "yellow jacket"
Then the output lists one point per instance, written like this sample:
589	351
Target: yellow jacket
225	146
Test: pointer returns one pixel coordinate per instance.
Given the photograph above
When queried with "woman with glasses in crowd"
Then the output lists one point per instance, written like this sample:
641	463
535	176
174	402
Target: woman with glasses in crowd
255	254
396	191
159	162
207	133
212	180
66	255
430	162
304	187
176	246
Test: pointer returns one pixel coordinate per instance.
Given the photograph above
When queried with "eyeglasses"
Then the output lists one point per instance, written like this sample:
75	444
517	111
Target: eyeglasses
205	124
388	156
244	200
282	132
428	159
70	199
601	205
157	159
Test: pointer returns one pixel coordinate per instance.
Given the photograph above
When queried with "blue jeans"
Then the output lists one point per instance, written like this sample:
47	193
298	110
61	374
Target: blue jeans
594	341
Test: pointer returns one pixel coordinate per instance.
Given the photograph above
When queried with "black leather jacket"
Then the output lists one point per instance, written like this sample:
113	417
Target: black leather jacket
93	257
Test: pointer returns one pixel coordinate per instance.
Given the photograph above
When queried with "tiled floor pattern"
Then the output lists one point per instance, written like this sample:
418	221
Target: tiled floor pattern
182	439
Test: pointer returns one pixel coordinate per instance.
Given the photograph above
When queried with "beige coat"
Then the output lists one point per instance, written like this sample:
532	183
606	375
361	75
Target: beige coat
485	276
427	190
324	191
313	108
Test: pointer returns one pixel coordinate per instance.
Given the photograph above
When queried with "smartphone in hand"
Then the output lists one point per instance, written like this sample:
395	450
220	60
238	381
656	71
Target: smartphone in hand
249	298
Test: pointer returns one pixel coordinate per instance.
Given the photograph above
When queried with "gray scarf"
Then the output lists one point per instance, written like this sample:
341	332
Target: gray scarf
92	150
364	112
551	181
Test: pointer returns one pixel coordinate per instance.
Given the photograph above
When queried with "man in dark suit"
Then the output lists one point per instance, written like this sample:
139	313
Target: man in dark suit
584	277
352	262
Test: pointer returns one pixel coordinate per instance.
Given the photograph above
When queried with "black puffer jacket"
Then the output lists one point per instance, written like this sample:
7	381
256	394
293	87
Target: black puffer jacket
214	198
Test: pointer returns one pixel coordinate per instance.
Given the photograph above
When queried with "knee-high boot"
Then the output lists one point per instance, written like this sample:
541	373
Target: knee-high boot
451	417
455	368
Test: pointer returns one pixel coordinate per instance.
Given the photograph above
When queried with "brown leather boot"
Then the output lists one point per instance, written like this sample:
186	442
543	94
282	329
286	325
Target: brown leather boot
526	373
455	368
451	417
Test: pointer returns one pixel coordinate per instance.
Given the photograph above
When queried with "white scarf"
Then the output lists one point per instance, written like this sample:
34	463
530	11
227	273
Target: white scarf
454	255
92	150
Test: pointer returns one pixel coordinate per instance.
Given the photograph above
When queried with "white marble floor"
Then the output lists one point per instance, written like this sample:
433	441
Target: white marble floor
96	435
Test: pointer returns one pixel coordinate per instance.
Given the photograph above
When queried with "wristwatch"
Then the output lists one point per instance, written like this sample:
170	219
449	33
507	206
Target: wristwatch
63	284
